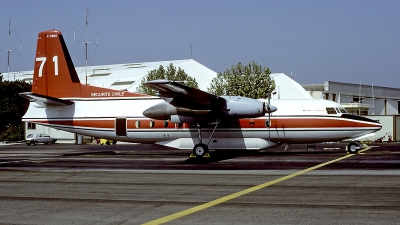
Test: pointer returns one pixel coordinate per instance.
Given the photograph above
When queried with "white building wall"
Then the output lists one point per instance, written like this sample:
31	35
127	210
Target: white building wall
391	106
379	107
387	127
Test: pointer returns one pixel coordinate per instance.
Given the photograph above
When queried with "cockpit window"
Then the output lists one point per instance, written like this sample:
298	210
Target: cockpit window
342	110
331	110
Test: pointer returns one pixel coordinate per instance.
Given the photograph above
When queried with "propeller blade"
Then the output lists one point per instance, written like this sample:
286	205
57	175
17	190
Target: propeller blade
269	108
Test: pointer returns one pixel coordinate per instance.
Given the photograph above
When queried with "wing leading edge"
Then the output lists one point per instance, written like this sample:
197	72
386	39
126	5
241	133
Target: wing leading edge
180	95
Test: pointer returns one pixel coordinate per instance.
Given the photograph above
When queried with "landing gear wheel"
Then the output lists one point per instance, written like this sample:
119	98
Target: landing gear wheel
200	150
353	148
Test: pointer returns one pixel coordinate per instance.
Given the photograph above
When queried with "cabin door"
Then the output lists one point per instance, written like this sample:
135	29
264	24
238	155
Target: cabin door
120	126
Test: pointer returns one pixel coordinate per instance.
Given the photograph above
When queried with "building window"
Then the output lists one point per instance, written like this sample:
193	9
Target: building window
31	126
358	99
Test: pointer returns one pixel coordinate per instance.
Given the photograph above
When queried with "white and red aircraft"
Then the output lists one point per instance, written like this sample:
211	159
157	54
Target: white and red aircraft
181	117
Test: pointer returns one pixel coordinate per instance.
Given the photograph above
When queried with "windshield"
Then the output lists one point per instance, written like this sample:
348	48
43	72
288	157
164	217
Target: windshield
343	110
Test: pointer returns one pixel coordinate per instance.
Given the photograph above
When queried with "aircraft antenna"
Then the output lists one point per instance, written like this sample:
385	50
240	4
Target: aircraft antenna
373	99
359	99
191	51
9	50
86	42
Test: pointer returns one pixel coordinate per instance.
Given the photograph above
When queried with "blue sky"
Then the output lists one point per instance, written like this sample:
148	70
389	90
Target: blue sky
315	40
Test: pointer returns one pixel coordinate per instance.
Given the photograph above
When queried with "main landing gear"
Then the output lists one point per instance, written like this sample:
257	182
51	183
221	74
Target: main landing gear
201	150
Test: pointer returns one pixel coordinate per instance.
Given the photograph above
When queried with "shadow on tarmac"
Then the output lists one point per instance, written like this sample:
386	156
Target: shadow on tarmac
221	155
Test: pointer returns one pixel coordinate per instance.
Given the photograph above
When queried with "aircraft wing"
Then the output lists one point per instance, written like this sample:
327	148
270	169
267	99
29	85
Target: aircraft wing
184	101
44	100
180	95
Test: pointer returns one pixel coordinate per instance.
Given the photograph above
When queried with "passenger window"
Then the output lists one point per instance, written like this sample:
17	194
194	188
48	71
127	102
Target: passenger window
330	110
165	123
267	123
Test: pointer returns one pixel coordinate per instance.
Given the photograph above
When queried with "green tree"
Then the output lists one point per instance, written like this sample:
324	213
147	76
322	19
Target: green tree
168	73
12	108
251	80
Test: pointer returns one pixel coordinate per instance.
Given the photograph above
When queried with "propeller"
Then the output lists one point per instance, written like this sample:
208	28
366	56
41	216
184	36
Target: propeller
268	108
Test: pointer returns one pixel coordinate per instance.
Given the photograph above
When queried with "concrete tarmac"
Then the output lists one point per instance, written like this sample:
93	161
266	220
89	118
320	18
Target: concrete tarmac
135	184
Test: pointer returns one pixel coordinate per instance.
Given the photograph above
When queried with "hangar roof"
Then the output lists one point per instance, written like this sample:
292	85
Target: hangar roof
128	77
349	89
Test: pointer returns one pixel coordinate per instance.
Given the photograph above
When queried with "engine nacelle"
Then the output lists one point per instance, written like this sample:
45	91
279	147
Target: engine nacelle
243	107
234	106
189	119
165	111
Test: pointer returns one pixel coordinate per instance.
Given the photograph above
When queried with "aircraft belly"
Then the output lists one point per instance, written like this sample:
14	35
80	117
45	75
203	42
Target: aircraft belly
222	143
316	135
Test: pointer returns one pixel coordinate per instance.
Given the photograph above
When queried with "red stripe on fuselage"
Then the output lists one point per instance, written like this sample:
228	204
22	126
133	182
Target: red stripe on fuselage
276	123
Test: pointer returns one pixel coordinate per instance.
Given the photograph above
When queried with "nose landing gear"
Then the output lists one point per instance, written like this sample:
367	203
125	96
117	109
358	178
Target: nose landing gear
354	147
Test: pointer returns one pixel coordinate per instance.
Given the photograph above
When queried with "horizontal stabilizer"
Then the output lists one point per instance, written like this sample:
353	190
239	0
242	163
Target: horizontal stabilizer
44	100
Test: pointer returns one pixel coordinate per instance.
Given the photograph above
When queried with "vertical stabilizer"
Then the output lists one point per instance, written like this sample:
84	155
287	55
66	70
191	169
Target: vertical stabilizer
55	75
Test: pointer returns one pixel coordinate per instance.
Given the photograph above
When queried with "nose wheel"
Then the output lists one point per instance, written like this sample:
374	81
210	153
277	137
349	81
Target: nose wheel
354	147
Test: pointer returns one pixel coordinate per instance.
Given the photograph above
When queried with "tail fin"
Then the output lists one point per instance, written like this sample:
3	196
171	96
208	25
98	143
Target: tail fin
55	75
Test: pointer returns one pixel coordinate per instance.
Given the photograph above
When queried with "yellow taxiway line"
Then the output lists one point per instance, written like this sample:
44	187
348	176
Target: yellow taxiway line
186	212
